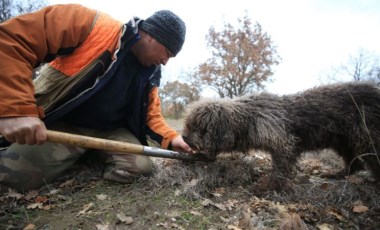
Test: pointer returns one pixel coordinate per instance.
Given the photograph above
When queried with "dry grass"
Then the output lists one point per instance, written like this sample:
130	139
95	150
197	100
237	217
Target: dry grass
196	179
227	193
314	199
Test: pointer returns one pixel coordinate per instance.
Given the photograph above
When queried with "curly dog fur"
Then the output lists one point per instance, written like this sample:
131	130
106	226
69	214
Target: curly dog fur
342	117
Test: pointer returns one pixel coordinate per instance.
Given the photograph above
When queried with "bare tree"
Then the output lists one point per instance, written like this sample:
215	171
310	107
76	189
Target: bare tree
11	8
242	59
5	10
358	66
364	66
374	74
176	96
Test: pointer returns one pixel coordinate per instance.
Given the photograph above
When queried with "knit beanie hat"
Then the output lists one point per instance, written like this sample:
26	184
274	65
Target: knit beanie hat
167	28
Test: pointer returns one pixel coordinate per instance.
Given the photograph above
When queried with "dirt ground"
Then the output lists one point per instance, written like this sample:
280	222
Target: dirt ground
226	194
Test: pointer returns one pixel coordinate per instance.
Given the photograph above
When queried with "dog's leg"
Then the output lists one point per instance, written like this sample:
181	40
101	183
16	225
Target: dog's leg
372	160
352	163
283	165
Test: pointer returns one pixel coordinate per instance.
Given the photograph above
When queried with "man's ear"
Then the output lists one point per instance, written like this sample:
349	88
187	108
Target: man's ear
144	35
148	37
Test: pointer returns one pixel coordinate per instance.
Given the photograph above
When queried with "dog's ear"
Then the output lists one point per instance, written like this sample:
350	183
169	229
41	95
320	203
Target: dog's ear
209	125
220	126
197	124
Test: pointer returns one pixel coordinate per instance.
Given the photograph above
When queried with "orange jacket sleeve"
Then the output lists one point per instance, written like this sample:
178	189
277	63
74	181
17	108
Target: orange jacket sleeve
30	39
156	121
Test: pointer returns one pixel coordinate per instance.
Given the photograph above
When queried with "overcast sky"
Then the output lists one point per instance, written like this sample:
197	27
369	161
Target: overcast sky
311	35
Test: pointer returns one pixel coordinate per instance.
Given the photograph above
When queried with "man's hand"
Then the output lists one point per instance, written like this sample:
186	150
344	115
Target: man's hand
23	130
179	145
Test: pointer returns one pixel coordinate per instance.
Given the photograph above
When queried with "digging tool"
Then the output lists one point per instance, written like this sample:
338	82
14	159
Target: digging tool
118	146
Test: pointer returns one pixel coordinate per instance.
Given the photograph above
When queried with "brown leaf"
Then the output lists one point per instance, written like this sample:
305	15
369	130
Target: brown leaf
103	227
101	197
216	194
231	203
225	220
48	207
232	227
177	192
67	183
336	213
86	208
13	194
220	190
35	205
193	182
207	202
165	225
54	191
325	227
29	227
124	219
195	213
360	209
220	206
31	194
41	199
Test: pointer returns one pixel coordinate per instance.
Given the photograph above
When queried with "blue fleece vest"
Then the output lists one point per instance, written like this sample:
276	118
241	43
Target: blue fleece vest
109	108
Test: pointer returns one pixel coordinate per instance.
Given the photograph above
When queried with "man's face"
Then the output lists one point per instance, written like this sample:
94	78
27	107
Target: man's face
153	52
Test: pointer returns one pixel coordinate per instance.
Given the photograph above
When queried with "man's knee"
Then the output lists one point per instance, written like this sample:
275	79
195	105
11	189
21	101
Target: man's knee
128	168
24	167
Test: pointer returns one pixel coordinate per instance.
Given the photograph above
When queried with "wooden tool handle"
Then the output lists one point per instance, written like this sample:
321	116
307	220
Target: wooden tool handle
93	142
118	146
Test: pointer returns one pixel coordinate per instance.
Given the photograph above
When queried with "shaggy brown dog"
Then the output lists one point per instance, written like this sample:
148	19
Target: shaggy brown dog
342	117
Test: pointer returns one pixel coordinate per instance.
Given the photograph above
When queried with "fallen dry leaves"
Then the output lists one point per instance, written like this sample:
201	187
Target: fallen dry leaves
86	208
124	219
226	209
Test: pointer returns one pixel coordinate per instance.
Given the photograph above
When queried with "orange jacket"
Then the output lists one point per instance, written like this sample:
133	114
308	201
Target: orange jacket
73	37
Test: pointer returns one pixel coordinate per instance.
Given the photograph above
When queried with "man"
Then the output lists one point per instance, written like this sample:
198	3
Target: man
102	80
